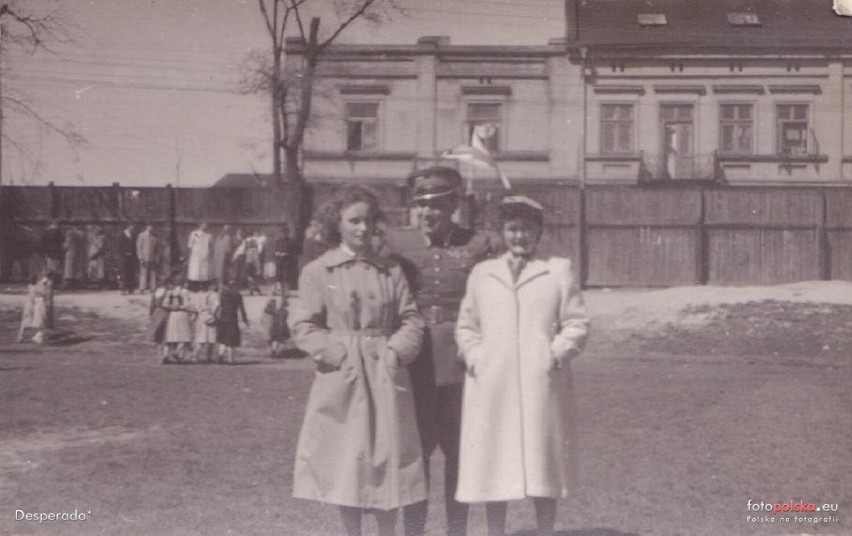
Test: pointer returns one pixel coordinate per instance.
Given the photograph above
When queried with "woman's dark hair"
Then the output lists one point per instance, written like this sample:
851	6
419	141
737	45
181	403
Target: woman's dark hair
329	215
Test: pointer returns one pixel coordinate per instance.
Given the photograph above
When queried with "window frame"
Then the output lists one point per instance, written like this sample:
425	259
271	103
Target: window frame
632	129
780	130
752	123
347	118
468	124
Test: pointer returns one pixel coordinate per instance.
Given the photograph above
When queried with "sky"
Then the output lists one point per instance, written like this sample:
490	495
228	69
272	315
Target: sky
152	85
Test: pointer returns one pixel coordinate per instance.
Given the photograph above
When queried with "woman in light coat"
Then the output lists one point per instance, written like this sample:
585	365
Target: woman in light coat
200	252
522	319
359	447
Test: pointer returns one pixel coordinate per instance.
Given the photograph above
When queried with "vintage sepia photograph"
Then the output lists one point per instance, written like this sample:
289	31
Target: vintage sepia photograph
426	267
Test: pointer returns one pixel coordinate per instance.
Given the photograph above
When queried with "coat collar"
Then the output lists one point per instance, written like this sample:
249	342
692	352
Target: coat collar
338	257
535	267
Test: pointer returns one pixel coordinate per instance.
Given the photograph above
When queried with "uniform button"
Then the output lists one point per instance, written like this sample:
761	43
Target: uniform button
437	256
437	268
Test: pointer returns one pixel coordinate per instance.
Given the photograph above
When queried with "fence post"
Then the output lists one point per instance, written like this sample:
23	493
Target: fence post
174	255
583	239
54	201
116	201
703	253
7	229
824	247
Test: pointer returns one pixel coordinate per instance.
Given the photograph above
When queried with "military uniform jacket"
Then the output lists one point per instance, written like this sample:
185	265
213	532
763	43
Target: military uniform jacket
437	274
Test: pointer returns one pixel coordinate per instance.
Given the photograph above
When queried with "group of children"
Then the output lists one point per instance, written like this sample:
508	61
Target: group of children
204	326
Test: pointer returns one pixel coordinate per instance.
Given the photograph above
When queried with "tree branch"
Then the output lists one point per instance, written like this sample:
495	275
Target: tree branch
294	5
72	138
357	14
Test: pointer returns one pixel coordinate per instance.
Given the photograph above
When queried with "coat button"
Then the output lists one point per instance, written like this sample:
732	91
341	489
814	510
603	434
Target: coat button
437	256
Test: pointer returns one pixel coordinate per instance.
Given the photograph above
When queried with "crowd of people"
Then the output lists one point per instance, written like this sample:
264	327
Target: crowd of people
435	337
140	256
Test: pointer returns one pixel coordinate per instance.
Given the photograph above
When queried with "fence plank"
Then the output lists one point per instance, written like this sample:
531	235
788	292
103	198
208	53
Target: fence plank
632	206
762	257
840	254
763	207
644	256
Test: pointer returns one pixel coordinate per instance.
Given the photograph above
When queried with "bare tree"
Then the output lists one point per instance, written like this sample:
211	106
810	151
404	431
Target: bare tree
30	32
292	92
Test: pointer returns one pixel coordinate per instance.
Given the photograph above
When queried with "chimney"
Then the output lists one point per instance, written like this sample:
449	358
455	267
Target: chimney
572	21
434	40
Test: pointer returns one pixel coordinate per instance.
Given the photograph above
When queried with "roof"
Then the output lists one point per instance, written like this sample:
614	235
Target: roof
782	24
244	180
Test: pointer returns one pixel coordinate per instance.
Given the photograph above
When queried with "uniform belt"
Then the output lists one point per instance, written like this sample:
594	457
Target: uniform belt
436	314
368	332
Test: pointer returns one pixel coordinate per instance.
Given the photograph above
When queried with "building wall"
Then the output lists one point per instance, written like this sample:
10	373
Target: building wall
551	122
423	93
706	84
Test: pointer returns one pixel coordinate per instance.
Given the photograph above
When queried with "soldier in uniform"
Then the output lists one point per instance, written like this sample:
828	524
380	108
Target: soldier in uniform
437	257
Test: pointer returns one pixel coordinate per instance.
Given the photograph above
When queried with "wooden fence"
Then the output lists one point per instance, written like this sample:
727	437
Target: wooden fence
620	236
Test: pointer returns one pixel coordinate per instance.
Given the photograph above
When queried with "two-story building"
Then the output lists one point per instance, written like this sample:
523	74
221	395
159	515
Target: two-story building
743	91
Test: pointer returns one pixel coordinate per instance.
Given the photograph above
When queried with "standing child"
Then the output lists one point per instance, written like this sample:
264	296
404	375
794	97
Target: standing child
228	327
178	327
158	318
206	303
274	321
36	314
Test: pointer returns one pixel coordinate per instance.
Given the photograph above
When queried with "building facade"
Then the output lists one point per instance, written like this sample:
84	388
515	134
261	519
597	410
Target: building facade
736	91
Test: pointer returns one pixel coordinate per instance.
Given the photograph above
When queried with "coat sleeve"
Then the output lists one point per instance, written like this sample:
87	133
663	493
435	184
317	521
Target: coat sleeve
573	322
308	319
408	337
468	327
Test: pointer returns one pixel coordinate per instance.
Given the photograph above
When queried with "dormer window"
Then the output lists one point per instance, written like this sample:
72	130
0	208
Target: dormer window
744	19
652	19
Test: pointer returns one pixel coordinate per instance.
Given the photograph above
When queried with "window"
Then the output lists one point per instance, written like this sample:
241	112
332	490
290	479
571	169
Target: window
486	113
362	126
744	19
735	125
792	129
652	19
616	128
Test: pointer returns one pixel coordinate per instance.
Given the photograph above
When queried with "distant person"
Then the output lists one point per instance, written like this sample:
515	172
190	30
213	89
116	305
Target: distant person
223	250
238	260
231	309
148	251
37	309
520	323
74	248
274	321
97	252
200	253
283	256
158	319
253	262
52	247
179	326
127	258
206	306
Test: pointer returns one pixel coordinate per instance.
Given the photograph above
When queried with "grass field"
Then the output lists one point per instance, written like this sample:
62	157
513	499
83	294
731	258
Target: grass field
673	438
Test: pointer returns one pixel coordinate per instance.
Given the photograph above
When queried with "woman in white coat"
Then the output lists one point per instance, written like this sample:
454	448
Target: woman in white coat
522	319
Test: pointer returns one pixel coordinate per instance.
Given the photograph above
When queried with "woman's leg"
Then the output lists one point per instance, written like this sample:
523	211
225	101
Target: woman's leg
545	514
351	518
386	519
495	516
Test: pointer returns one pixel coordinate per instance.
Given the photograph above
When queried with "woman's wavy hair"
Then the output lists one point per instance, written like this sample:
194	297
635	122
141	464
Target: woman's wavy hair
329	214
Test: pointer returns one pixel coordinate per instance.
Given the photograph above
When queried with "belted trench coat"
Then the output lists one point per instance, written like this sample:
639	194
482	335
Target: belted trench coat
359	445
516	338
